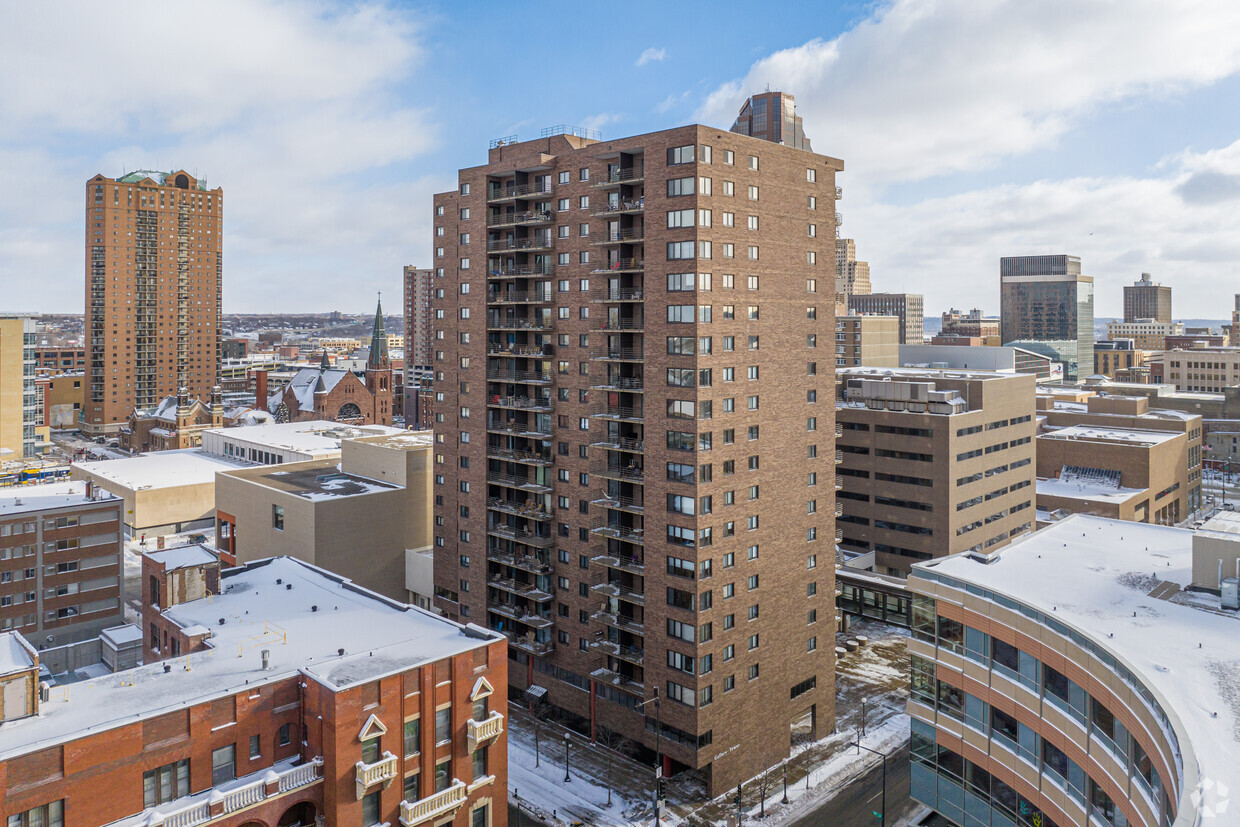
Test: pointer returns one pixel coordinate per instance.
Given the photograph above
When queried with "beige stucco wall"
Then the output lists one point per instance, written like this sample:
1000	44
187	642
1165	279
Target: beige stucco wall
152	508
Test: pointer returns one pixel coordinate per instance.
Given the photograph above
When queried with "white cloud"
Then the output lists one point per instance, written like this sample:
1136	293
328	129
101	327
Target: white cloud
290	107
949	247
927	87
597	122
651	55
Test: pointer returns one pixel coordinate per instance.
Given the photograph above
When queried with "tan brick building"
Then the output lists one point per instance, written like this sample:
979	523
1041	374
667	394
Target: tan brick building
932	462
154	276
298	698
633	453
1201	369
419	289
873	341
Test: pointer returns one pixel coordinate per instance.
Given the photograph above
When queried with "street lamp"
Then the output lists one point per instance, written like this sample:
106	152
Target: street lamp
882	815
567	738
658	754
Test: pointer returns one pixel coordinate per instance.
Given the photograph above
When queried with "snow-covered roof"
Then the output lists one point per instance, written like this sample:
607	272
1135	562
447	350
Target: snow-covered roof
316	481
27	498
927	373
1096	576
14	656
1224	525
1098	432
305	382
121	635
1083	490
302	628
161	469
182	557
319	438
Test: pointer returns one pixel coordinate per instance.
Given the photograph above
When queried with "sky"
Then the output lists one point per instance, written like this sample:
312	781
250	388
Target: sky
970	129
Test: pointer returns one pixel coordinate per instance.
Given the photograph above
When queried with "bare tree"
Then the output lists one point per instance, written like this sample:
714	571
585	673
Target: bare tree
765	781
613	742
538	713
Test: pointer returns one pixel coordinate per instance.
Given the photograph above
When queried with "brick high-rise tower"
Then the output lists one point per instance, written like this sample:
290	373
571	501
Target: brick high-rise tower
635	448
154	267
419	288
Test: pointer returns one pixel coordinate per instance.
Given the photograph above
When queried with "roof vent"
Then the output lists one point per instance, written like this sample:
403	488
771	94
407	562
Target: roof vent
314	608
288	587
221	621
279	581
340	651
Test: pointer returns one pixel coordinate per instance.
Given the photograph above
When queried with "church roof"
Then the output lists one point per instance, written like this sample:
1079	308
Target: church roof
378	358
306	382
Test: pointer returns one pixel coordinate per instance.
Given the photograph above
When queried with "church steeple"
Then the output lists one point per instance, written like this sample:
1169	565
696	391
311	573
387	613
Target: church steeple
378	359
324	364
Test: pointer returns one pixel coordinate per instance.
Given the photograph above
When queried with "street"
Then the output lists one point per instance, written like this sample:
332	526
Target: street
856	804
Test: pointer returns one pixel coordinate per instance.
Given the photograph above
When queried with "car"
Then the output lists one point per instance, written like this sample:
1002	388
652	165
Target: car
1198	524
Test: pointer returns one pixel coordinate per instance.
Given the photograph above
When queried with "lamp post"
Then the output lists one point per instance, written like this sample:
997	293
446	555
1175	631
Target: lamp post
567	738
882	814
658	754
785	801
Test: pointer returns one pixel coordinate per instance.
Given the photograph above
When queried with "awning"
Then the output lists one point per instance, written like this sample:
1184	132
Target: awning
535	692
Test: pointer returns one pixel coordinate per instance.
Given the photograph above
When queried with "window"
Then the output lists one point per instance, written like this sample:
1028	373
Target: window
729	188
753	193
704	186
162	784
370	809
680	155
677	250
48	815
679	186
277	517
811	175
443	725
413	736
753	161
256	749
370	750
679	282
223	765
679	218
443	775
480	771
811	202
753	672
284	736
753	256
753	222
705	154
680	314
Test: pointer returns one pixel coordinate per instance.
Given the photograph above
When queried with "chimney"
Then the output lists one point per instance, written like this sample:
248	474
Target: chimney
266	654
90	489
260	389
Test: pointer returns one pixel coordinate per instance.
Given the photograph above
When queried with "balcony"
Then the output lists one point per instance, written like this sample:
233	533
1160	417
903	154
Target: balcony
619	294
522	536
519	324
614	589
614	178
524	483
620	443
628	473
619	413
525	562
622	324
433	806
380	772
228	798
520	297
527	510
519	615
619	621
627	235
621	354
839	484
528	643
628	504
516	191
520	219
529	377
839	429
618	680
517	272
631	654
502	245
519	429
619	532
622	265
621	383
839	535
513	455
524	403
479	731
526	590
631	564
839	509
839	457
517	351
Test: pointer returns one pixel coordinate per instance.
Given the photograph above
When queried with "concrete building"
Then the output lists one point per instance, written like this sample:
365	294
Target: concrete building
22	430
932	462
1233	330
419	290
1147	299
63	397
1047	306
1147	334
973	323
1060	409
1065	681
1120	473
57	360
298	698
772	116
852	277
605	529
1202	369
154	280
361	516
1117	356
945	354
909	307
873	341
60	562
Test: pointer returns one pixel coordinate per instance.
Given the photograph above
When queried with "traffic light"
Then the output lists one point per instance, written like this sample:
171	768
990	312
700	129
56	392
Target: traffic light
738	795
659	788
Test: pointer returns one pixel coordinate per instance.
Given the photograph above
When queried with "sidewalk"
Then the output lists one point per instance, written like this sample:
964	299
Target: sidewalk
816	770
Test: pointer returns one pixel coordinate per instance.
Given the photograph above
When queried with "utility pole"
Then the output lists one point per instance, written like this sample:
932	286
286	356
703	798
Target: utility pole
882	814
658	756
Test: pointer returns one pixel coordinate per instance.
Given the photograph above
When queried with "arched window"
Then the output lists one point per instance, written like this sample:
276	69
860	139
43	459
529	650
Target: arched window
349	411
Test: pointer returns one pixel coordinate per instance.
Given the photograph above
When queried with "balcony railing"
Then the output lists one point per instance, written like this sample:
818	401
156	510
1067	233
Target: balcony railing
522	402
622	324
519	324
839	457
623	175
621	383
525	562
519	615
480	731
528	643
618	680
620	294
517	351
632	654
621	443
516	272
626	413
520	297
499	245
526	590
620	532
630	504
839	535
623	265
627	235
513	455
380	772
197	809
518	428
515	218
433	806
619	621
522	536
499	478
518	376
615	589
621	354
631	473
519	191
530	511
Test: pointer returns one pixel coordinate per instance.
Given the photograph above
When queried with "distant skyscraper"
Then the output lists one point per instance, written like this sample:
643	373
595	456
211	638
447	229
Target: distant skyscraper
910	307
772	116
418	285
1047	306
852	277
154	270
1146	299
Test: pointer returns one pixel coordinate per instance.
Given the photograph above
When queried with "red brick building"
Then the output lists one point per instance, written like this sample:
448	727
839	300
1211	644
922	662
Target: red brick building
311	701
175	423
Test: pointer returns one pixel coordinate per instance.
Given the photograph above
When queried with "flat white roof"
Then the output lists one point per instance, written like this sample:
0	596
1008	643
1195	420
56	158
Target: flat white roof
119	635
1080	490
316	438
182	557
1097	575
1136	437
379	636
161	469
25	498
14	657
912	373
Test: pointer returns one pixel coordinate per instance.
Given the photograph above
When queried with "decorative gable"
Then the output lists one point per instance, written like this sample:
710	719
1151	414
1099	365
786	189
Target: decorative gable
481	689
373	728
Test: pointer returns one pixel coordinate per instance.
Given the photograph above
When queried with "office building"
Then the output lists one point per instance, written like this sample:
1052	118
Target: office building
154	278
973	324
873	341
968	353
1146	334
295	698
1047	306
932	462
1147	299
772	116
418	292
613	491
60	562
852	277
55	360
23	432
365	514
1201	369
1065	681
909	307
1116	356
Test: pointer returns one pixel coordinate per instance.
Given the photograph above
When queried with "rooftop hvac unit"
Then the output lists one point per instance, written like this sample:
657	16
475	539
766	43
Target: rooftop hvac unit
1231	593
918	390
